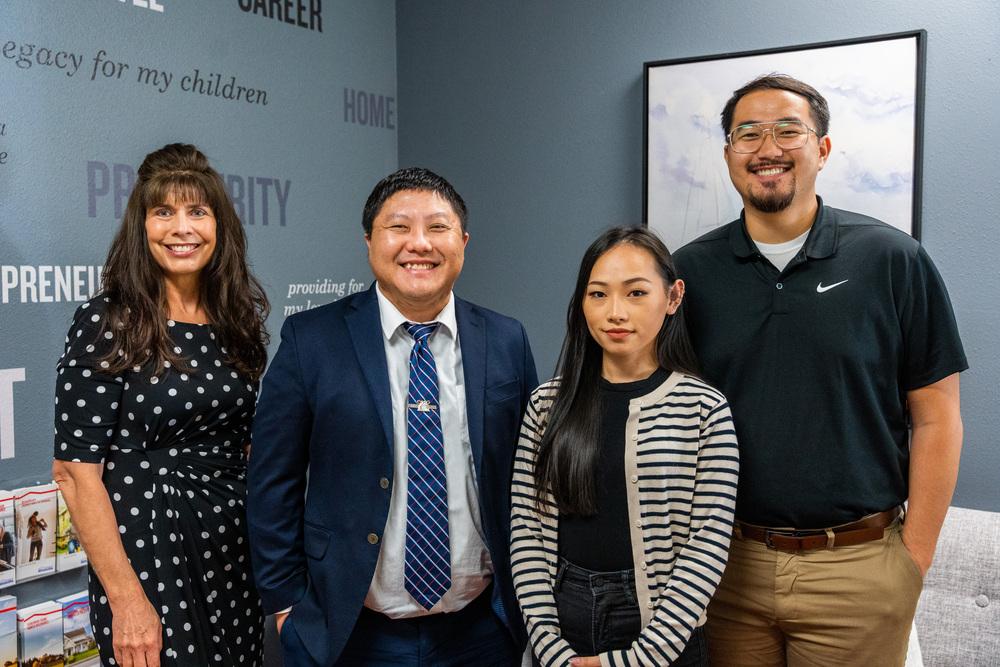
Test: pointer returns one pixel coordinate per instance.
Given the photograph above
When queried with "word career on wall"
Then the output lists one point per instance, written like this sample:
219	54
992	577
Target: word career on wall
302	13
251	195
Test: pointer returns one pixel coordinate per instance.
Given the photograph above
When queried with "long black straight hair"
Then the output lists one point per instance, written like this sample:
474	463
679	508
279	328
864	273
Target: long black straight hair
568	451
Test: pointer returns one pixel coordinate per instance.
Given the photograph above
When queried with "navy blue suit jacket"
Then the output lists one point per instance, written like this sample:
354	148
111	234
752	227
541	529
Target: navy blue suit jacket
322	441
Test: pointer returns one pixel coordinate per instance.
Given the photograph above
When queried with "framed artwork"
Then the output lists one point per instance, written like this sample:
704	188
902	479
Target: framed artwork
874	86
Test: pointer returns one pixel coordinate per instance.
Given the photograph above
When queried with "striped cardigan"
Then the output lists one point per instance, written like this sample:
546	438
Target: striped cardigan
681	467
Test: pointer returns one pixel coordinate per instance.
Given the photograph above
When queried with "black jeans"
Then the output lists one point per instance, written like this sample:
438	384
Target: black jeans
598	612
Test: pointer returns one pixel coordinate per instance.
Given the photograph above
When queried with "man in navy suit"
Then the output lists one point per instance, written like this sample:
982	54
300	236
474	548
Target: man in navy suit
379	485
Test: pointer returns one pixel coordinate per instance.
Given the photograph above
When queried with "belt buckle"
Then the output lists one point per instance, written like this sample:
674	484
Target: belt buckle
768	534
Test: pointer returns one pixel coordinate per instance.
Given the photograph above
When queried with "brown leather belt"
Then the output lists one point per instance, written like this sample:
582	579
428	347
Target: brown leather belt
867	529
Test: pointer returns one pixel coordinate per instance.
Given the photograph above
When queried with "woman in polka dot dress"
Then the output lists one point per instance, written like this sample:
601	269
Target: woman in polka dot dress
154	400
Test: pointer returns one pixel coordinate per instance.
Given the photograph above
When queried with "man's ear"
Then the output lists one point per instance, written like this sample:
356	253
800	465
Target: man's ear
824	150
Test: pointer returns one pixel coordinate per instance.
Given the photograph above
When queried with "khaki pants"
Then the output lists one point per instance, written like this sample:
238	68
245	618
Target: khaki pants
842	606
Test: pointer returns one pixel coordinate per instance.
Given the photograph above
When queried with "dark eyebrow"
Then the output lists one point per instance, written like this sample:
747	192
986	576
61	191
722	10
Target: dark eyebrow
758	122
638	279
404	216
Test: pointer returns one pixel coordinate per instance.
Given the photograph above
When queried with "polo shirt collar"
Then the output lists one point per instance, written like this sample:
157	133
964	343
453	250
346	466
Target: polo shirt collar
821	242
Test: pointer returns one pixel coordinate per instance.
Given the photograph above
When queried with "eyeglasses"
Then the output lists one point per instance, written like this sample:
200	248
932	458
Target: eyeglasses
787	134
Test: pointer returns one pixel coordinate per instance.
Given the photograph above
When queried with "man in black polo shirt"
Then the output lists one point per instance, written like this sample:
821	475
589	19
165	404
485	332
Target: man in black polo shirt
833	337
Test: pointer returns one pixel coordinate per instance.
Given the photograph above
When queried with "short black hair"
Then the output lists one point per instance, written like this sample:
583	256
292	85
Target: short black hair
817	103
411	178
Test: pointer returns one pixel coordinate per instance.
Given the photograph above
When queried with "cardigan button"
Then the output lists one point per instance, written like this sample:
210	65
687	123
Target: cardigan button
384	483
634	479
642	566
372	538
650	604
638	523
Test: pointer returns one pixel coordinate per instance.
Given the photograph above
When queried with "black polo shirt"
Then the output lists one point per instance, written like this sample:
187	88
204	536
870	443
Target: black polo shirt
816	361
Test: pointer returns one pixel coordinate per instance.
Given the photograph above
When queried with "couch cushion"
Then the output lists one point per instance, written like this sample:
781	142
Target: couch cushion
958	617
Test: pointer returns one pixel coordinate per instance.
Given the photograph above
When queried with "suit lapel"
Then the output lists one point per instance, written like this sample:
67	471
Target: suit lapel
472	338
365	325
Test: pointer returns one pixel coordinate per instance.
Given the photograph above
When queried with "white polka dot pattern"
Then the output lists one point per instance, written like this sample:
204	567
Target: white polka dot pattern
175	470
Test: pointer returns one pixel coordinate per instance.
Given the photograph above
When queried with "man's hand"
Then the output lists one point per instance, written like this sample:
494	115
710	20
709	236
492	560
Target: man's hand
591	661
922	558
136	633
279	619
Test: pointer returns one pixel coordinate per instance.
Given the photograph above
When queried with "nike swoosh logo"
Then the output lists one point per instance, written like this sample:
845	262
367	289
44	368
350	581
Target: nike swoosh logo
820	289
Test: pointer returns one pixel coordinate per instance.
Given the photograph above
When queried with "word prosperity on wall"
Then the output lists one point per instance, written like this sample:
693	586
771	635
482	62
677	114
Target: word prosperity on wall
254	197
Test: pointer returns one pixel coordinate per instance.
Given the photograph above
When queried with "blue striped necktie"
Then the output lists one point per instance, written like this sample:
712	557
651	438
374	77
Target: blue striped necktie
427	570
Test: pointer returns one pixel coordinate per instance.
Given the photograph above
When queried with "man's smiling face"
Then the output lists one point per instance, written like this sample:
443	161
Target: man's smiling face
771	179
416	250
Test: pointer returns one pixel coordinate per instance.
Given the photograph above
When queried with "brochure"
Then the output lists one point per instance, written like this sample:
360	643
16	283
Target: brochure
8	541
35	510
8	631
69	553
39	635
79	645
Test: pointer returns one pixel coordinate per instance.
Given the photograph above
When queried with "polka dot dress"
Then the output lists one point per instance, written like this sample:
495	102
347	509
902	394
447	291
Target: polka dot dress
175	469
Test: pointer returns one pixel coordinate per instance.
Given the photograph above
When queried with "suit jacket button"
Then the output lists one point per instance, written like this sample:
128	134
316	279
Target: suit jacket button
384	483
372	538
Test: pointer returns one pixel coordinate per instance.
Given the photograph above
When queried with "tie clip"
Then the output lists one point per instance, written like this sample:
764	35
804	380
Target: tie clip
422	406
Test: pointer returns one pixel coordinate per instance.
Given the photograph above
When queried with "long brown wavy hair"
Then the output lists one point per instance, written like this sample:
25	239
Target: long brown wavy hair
133	282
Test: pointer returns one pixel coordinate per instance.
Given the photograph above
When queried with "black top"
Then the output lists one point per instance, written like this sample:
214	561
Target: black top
175	469
816	361
601	542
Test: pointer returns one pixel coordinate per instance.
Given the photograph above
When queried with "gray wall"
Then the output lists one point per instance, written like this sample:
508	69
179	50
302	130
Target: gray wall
534	111
62	136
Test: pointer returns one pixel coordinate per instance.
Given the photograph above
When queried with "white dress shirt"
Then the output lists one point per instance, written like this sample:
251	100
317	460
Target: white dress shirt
471	568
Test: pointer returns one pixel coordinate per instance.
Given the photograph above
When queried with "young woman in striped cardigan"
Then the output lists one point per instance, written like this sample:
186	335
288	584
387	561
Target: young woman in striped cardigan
625	474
